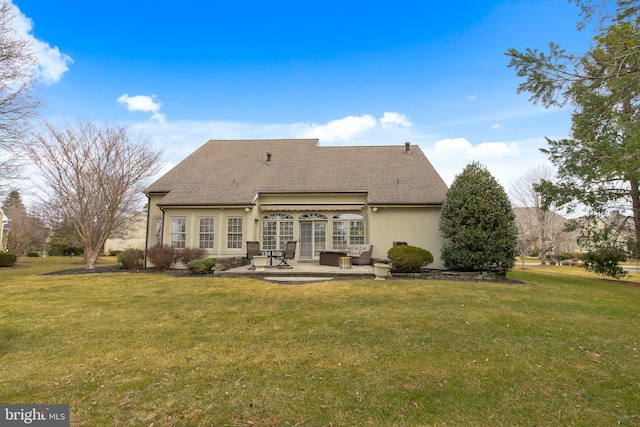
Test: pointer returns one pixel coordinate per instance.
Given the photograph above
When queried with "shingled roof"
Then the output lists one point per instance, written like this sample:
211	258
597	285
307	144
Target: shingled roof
233	172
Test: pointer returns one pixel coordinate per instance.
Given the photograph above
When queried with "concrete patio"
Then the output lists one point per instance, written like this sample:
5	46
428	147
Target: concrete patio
302	272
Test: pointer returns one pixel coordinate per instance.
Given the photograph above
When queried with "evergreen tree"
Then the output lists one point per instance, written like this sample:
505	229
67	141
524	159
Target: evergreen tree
598	165
479	224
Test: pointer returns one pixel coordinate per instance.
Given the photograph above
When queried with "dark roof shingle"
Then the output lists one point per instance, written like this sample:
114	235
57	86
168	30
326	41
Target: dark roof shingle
228	172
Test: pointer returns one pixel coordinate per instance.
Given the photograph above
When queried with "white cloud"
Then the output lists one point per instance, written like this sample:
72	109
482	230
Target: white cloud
390	120
505	160
144	103
52	63
472	97
350	127
341	129
460	147
496	126
495	149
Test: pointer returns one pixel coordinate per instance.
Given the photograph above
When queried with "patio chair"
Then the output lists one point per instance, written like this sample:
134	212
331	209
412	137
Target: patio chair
289	253
253	249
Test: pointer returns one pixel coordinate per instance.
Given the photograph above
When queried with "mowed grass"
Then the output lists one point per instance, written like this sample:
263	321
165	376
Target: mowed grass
129	349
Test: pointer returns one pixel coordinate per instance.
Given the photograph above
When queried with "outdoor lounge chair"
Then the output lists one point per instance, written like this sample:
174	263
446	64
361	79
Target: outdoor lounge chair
289	253
253	249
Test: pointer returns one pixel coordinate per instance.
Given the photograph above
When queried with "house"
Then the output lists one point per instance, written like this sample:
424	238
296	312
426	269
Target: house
131	237
4	230
617	228
545	231
229	192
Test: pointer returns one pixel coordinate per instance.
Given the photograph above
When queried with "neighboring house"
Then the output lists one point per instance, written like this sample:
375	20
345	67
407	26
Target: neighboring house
545	230
619	228
229	192
4	230
133	237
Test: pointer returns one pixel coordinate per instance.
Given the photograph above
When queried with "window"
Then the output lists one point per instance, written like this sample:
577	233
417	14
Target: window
234	233
277	230
206	233
178	232
158	231
348	229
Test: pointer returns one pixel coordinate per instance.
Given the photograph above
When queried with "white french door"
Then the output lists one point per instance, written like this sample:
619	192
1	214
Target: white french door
313	238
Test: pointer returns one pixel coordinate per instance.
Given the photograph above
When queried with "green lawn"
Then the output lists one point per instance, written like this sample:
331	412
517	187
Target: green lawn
129	349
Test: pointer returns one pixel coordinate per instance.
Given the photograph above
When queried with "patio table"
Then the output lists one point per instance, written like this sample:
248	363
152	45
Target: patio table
272	253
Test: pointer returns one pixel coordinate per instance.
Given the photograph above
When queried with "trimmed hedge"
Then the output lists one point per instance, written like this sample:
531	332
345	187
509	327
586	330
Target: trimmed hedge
409	259
202	266
7	259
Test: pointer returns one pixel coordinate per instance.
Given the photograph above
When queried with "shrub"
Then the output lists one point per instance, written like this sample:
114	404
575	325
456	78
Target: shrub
409	259
163	256
33	254
202	266
478	224
131	259
114	252
190	254
7	259
564	256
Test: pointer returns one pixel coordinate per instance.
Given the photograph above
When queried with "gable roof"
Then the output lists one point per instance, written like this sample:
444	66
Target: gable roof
233	172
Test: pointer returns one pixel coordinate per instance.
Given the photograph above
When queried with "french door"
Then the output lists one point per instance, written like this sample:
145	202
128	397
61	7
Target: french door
313	238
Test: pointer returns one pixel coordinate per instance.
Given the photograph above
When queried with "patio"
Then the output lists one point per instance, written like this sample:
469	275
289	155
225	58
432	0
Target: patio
302	272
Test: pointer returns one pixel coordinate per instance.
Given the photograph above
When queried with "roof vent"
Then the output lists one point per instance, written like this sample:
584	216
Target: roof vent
407	147
268	158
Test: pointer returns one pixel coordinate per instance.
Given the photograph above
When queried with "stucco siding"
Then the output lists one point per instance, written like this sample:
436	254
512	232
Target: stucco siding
418	226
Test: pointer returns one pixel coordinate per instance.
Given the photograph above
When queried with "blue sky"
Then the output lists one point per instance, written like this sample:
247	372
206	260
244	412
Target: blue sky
347	72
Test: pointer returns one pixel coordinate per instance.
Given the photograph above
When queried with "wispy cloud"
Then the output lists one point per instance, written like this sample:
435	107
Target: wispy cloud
148	104
52	63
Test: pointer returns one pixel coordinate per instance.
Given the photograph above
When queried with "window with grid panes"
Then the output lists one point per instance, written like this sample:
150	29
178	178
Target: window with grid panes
206	233
348	229
178	232
277	230
234	233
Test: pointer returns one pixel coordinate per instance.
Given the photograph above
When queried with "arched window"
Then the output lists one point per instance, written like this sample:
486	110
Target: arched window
313	216
348	229
277	230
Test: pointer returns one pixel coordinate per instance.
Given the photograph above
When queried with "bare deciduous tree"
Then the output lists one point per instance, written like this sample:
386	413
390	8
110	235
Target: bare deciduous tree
94	178
17	105
28	231
537	226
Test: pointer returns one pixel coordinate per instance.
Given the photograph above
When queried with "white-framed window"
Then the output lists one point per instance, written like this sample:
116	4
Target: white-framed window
158	231
179	232
348	229
234	233
207	233
277	230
